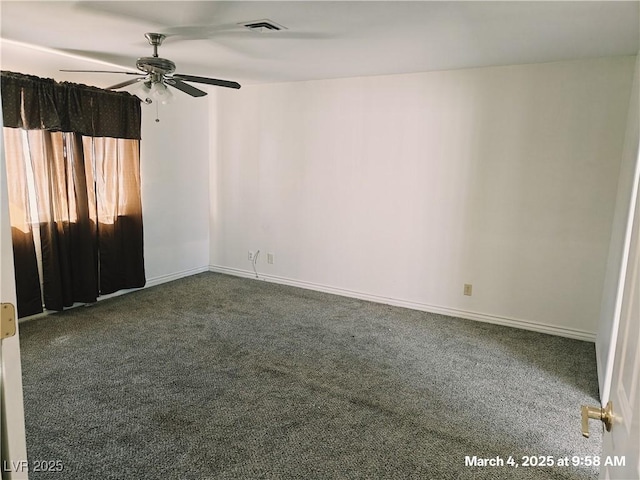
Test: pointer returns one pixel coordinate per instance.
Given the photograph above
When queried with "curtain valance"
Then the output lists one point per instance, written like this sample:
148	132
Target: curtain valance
35	103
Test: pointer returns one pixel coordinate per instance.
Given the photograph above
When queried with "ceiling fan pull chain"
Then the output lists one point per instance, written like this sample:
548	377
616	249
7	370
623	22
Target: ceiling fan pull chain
157	114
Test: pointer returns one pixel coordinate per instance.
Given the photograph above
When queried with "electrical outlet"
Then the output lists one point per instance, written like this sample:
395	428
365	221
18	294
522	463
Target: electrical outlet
271	258
467	289
250	255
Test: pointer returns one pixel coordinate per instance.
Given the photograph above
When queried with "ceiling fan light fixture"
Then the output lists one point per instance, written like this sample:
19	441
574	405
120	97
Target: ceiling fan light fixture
142	91
161	93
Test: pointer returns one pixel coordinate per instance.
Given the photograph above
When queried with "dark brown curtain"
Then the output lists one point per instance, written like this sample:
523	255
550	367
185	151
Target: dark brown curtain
73	168
34	103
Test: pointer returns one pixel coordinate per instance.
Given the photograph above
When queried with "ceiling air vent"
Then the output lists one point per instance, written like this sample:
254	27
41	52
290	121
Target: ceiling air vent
263	26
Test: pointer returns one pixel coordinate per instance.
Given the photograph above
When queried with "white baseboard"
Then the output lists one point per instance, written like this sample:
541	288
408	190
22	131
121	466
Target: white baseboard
151	282
175	276
452	312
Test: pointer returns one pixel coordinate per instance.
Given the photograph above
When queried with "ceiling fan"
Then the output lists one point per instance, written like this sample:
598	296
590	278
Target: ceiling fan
158	74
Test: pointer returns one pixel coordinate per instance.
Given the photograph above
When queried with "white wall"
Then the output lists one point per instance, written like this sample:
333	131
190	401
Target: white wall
403	188
174	166
175	188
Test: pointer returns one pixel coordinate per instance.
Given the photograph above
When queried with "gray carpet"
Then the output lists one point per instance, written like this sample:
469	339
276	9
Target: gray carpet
217	377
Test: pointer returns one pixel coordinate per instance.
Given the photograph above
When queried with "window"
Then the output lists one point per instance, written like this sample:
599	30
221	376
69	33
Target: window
74	196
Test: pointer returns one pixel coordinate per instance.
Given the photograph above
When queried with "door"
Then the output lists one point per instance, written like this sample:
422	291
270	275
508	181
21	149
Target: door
618	337
1	383
618	245
14	449
621	447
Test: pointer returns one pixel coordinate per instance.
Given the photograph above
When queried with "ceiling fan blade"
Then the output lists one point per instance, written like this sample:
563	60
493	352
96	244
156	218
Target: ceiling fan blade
124	84
208	81
186	88
103	71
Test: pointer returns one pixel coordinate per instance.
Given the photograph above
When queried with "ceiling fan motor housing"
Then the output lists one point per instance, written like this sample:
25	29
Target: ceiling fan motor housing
155	65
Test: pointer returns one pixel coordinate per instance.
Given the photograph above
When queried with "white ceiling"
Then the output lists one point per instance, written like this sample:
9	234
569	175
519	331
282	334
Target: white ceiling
324	39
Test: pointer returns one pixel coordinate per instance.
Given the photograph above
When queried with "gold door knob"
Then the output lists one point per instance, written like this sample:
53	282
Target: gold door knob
604	414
